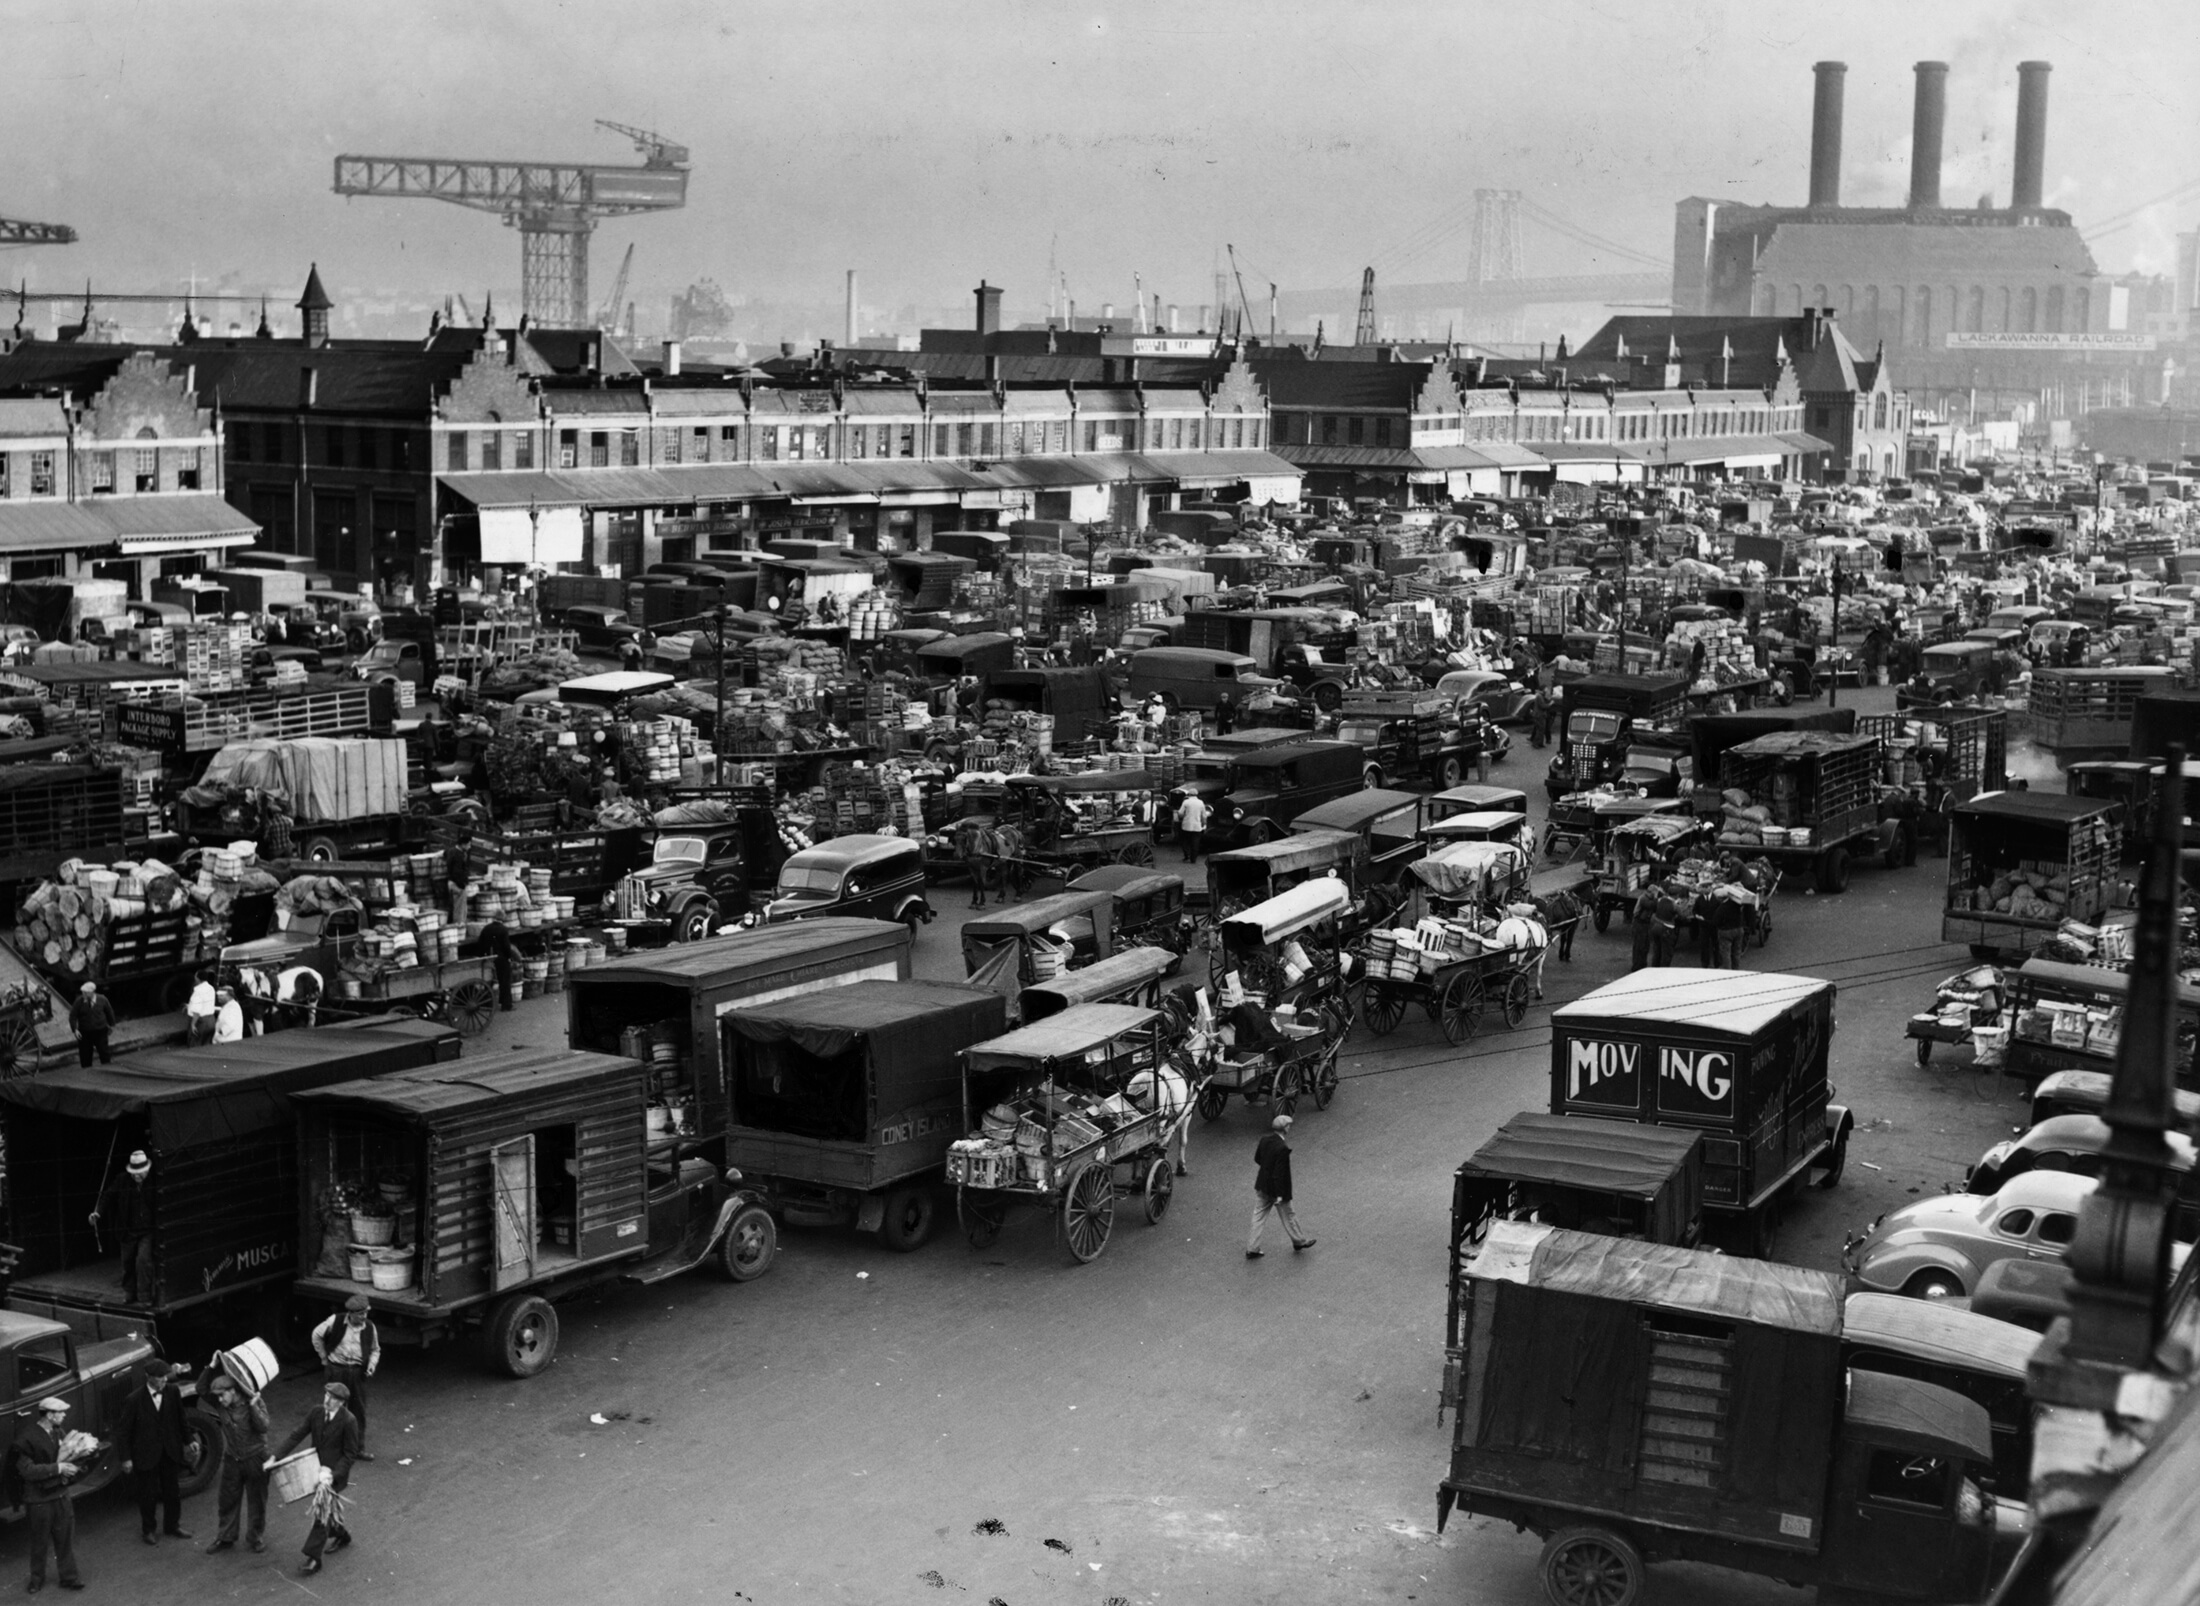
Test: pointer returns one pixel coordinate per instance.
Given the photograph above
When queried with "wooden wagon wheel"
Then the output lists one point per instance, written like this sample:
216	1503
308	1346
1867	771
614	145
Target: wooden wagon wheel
1386	1007
1323	1083
1517	998
18	1046
981	1214
1459	1010
472	1006
1136	853
1213	1100
1088	1211
1160	1186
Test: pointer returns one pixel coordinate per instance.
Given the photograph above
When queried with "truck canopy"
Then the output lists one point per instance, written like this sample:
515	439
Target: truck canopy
1710	735
1905	1414
1687	1282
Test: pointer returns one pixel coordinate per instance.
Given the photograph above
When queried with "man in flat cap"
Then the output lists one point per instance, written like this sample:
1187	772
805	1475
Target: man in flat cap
127	1207
45	1475
335	1438
150	1435
350	1348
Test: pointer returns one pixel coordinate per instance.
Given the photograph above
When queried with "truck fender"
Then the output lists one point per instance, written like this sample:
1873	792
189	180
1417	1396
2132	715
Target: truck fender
732	1205
871	1213
1840	1121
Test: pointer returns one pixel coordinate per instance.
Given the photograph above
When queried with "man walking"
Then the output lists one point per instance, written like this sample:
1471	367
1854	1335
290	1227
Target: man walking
45	1477
1191	824
92	1018
127	1206
335	1439
200	1011
244	1424
350	1349
150	1436
1272	1188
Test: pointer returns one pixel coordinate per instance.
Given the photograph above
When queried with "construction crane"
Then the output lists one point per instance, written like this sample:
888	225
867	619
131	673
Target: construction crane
15	232
607	316
554	205
1363	333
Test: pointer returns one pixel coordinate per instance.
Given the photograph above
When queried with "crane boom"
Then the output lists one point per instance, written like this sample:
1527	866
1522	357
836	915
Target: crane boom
1245	307
1363	333
554	205
607	316
14	231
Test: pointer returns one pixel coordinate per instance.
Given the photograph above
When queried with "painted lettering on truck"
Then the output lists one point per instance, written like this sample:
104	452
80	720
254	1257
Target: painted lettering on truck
1594	1071
1709	1072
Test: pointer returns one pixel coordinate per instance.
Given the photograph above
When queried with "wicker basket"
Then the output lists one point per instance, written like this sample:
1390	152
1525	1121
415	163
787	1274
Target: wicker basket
376	1232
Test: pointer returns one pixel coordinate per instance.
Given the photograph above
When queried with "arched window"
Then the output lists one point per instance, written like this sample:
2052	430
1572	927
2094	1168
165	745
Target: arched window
2055	309
1818	295
1977	320
2028	311
2082	318
1879	411
2008	307
1923	335
1795	301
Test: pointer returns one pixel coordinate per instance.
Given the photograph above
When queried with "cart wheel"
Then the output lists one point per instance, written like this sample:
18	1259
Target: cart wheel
1591	1567
1604	917
1213	1101
472	1005
1290	1083
523	1335
1088	1212
320	850
1517	999
18	1047
750	1245
981	1215
1764	922
1924	1050
1160	1186
1138	853
1459	1011
1385	1009
1324	1080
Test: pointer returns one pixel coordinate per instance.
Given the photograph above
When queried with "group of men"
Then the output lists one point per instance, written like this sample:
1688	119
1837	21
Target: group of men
1663	909
152	1441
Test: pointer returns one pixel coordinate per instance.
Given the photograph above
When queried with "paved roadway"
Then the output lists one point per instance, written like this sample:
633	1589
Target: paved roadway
1172	1423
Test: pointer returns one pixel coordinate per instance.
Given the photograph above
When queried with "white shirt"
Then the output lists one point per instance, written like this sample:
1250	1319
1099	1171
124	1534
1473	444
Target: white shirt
202	1001
229	1023
1191	814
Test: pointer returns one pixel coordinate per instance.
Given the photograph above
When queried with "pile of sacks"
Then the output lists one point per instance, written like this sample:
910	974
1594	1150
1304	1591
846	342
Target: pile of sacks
2025	894
1742	822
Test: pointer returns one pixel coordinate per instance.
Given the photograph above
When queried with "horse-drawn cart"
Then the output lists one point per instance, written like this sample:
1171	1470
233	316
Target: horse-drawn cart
462	992
1286	1001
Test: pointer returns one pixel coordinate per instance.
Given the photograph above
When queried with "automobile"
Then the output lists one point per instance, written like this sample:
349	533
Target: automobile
1936	1248
1275	785
308	658
18	642
1979	1357
1658	771
159	615
878	877
1498	698
2075	1143
599	628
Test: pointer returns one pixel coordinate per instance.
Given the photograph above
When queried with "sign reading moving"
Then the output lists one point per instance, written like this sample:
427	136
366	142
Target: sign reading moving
2008	341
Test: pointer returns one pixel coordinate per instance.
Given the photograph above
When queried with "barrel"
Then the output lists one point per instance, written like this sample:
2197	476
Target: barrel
251	1364
294	1477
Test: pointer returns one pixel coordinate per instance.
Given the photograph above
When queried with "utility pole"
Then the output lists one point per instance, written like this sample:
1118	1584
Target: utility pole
1833	641
718	723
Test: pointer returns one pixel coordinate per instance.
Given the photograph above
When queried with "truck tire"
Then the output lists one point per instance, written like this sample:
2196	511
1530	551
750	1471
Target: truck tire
1328	695
911	1214
693	923
1603	918
750	1245
320	850
1833	871
1590	1567
1372	778
1448	773
1837	1157
522	1336
202	1454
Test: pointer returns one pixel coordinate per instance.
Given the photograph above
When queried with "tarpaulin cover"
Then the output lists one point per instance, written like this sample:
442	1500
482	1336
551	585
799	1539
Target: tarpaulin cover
1287	914
1025	919
1692	1281
192	1096
1118	973
1659	828
997	967
1464	869
909	1031
1575	1151
1301	850
1069	1035
324	778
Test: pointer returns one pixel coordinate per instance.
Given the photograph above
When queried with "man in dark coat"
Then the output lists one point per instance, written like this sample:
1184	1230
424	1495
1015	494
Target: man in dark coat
150	1435
334	1435
126	1209
243	1421
92	1018
44	1475
1272	1188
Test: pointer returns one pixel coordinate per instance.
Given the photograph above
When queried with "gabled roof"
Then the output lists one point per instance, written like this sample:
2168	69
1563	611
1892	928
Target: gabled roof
1345	386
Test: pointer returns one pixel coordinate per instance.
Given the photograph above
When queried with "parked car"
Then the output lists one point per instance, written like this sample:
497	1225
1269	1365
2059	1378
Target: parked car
880	877
1498	698
1936	1248
1275	785
600	629
1976	1356
2075	1143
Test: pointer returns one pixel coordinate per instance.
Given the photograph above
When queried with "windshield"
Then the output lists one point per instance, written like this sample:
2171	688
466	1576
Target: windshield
808	878
680	850
1592	725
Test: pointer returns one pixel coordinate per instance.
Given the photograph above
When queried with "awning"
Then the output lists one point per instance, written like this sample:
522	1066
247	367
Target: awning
1225	467
50	526
537	537
1797	441
129	523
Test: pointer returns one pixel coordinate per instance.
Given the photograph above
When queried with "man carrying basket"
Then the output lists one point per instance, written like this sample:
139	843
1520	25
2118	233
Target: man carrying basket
335	1439
244	1425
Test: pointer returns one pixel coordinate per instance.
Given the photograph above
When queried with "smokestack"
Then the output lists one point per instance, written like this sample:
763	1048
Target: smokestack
1171	324
1825	133
848	331
989	308
672	359
1926	125
2024	189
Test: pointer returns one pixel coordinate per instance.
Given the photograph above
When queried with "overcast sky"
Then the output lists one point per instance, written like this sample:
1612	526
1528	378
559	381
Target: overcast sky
929	142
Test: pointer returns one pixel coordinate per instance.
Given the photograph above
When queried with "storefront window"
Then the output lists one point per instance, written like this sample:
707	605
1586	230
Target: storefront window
523	449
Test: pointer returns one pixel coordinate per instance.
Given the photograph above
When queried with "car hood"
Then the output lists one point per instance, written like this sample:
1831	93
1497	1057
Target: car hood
794	905
1942	1210
666	872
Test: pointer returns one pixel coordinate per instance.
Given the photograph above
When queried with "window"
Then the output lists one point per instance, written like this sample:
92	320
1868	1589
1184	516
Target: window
672	445
966	440
2014	1224
1015	447
5	460
1237	433
523	449
767	443
1252	434
985	440
859	441
569	448
187	469
1904	1478
908	441
2057	1227
630	448
729	442
1329	429
796	440
699	446
39	1361
492	451
1821	418
147	477
332	445
401	455
1191	435
1382	432
943	440
599	449
103	473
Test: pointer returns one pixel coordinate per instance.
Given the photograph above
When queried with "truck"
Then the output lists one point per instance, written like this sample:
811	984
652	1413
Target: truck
1598	715
179	726
52	812
218	1125
1703	1414
2065	853
261	591
1584	1174
1078	699
1826	809
711	863
1710	736
2080	714
1739	1056
844	1101
1291	644
520	1179
676	997
1413	736
347	797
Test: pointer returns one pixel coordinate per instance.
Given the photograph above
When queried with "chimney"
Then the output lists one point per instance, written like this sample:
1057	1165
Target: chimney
1107	310
1825	133
992	368
672	358
2024	189
1926	124
989	308
848	331
309	388
1170	325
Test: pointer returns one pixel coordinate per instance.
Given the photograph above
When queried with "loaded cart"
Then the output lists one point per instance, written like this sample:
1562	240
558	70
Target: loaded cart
1455	968
518	1179
1286	1010
1700	1411
1066	1115
2022	863
1737	1055
844	1101
1811	800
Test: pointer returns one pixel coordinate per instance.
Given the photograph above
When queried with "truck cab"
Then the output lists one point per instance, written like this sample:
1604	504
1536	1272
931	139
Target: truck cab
1598	720
695	882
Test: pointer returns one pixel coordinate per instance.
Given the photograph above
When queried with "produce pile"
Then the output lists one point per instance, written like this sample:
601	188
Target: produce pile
537	671
63	927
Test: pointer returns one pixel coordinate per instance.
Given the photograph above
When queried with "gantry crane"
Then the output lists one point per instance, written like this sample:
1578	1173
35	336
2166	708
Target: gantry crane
16	232
554	205
607	316
1363	333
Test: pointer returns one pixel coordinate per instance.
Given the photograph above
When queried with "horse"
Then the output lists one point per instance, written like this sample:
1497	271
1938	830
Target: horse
993	852
1560	913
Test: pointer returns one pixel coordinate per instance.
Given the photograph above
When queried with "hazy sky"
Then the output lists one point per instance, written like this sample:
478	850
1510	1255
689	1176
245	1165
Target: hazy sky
929	142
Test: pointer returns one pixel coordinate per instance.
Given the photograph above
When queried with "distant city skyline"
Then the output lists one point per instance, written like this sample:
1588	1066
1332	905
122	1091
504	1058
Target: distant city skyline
927	147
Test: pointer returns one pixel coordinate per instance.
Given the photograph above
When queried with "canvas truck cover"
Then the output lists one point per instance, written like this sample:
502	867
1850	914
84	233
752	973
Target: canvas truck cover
867	1062
1565	1336
1596	1156
1711	735
1706	1048
325	779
